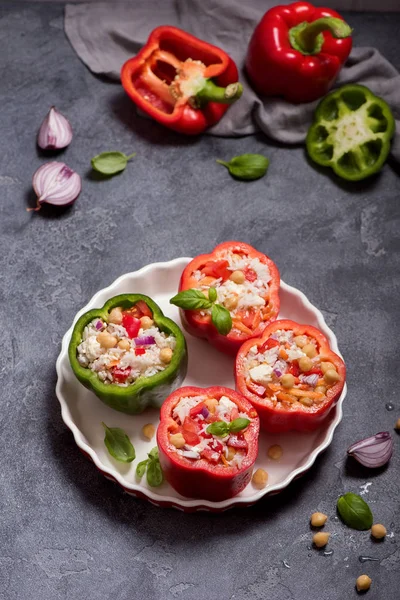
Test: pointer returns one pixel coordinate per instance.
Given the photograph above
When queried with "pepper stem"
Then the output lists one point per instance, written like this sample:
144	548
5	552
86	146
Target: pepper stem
211	92
307	37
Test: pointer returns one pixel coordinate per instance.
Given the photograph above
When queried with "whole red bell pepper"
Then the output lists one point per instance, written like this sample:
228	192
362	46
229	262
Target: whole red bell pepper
245	323
205	478
300	395
297	51
180	81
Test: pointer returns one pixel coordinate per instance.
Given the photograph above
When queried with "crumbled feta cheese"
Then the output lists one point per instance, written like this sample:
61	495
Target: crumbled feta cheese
261	374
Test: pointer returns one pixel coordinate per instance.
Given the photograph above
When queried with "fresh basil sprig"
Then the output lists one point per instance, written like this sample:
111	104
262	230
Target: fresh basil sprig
111	163
154	475
247	166
354	511
196	300
118	444
222	428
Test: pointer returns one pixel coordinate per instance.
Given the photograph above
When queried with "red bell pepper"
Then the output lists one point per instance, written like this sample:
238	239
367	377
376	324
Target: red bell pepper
180	81
246	323
302	407
297	51
208	477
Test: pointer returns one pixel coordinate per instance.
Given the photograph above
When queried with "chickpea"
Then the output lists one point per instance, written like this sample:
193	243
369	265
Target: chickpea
231	453
305	401
363	583
310	350
177	440
237	277
146	322
397	424
325	366
166	355
378	531
231	302
331	376
211	404
300	340
106	340
318	519
260	478
305	364
124	344
115	316
275	452
321	389
287	380
148	430
321	539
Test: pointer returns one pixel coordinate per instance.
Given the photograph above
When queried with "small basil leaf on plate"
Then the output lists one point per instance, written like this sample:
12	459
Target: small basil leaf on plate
153	452
118	444
238	424
110	163
221	318
212	294
219	428
141	468
354	511
154	473
191	300
247	166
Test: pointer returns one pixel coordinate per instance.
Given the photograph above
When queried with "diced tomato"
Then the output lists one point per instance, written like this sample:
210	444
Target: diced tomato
217	446
256	389
294	369
270	343
144	309
139	351
234	414
250	274
315	371
210	455
121	375
212	418
237	441
131	324
217	269
196	410
190	431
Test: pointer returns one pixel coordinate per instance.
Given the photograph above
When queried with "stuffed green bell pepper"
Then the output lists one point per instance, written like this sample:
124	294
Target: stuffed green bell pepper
351	132
128	353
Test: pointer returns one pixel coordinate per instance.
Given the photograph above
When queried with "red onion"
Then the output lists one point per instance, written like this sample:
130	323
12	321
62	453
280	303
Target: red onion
310	379
278	372
99	324
205	412
55	132
374	451
57	184
145	340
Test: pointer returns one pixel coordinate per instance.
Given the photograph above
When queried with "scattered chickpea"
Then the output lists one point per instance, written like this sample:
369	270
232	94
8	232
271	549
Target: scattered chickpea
325	366
300	340
305	364
310	350
177	440
321	539
231	453
166	355
124	344
260	478
331	376
146	322
237	277
305	401
378	531
148	430
106	340
287	380
318	519
321	389
363	583
231	302
115	316
397	424
211	404
275	452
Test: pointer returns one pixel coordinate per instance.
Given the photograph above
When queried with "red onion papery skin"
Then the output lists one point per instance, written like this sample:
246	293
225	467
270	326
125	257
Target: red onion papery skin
55	183
373	452
55	132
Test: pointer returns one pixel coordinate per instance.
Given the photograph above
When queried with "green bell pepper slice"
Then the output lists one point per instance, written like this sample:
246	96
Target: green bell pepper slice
145	391
351	132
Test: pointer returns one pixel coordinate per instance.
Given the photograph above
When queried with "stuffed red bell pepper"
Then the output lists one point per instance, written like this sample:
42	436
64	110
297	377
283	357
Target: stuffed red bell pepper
297	51
229	296
180	81
208	442
291	376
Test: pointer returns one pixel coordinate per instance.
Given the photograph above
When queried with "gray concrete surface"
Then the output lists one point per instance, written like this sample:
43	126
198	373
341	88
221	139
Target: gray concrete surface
65	531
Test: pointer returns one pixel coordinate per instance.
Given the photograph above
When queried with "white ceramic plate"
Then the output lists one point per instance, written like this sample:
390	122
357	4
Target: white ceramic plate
83	412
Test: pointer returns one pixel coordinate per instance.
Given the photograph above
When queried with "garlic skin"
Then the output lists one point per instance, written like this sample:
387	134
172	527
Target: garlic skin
55	132
55	183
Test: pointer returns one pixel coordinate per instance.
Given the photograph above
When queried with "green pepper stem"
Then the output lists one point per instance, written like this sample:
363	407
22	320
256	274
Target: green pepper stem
307	37
211	92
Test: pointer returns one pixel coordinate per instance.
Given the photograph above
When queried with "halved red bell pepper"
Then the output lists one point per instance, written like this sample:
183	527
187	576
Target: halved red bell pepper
207	478
180	81
246	323
282	408
297	51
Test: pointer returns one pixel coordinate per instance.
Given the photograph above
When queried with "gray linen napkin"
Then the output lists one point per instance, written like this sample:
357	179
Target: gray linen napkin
106	34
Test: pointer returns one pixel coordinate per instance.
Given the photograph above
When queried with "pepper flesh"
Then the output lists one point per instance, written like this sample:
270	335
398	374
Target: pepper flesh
351	132
293	52
145	391
181	81
279	417
202	326
202	478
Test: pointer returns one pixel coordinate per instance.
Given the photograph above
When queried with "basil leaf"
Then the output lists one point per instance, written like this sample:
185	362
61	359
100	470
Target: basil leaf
219	428
221	319
354	511
238	424
118	444
247	166
153	452
191	300
141	468
212	294
110	163
154	473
